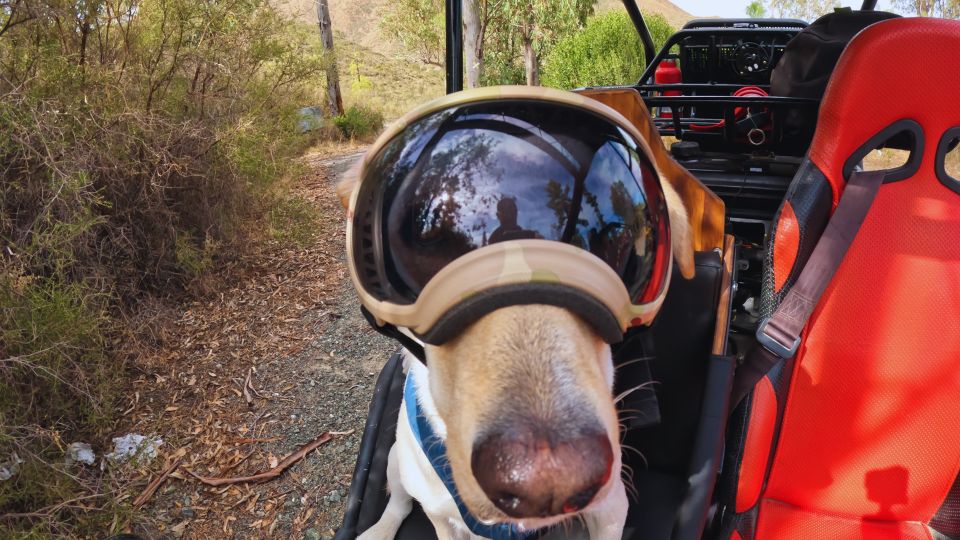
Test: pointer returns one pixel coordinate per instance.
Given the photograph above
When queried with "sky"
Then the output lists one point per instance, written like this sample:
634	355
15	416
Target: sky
737	8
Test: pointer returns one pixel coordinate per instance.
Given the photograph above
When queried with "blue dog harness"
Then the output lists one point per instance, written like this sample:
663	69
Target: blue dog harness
436	452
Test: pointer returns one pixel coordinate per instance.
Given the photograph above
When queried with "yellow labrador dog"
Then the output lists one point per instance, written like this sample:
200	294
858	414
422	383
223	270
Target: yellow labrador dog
522	401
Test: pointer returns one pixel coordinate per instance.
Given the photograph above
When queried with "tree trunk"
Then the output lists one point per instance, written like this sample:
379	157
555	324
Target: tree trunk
334	97
531	63
473	41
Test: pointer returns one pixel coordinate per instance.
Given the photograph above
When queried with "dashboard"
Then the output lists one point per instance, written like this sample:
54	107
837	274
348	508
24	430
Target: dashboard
723	64
730	132
733	51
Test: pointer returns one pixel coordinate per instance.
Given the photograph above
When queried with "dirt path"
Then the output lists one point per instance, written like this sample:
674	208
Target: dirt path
291	320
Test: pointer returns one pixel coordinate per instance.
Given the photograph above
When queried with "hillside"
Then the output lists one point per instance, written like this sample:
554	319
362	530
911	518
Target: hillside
388	82
359	19
676	16
375	71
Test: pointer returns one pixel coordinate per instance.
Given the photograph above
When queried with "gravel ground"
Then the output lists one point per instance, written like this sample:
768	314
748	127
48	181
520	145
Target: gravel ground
290	322
339	369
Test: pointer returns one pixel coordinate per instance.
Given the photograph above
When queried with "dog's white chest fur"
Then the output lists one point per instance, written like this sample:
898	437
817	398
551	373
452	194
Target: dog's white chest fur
417	475
411	476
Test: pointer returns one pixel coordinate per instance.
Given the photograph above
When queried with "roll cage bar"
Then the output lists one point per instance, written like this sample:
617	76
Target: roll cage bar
454	39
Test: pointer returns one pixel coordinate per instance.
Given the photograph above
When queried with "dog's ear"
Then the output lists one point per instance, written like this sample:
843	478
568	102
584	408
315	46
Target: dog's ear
350	180
680	234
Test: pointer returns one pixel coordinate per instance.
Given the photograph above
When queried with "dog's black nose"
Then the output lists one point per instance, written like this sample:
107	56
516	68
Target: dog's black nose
527	474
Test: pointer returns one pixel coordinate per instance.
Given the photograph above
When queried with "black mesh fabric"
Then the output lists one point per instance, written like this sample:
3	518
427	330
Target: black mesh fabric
746	524
734	444
947	519
811	198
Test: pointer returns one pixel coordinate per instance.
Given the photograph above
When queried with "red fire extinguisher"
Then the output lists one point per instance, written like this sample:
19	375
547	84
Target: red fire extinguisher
667	73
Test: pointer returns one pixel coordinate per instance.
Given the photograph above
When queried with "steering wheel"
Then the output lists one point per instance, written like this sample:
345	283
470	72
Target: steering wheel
750	59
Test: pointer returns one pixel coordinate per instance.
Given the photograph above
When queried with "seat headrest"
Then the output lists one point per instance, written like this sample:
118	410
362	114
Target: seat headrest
893	72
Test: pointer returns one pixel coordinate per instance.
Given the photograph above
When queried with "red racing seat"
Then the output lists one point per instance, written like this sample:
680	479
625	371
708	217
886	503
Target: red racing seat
859	435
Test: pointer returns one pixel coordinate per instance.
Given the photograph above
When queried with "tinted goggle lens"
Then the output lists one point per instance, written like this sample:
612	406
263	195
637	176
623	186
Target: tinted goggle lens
478	174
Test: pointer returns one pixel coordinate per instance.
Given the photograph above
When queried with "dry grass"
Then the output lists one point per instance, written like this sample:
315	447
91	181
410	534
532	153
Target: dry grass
393	85
885	158
952	163
335	147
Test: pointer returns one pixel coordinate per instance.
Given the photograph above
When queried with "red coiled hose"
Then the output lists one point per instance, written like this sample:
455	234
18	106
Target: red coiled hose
738	112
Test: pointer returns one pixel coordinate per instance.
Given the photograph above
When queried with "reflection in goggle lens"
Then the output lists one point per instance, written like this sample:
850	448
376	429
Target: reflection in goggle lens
483	173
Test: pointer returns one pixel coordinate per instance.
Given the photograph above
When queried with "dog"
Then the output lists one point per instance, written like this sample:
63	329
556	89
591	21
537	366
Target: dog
521	402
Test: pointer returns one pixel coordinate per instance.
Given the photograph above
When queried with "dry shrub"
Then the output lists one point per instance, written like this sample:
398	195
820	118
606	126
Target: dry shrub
112	199
140	140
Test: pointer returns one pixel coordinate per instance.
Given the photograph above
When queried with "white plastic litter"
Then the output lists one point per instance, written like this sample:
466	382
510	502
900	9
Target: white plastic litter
134	446
80	452
10	467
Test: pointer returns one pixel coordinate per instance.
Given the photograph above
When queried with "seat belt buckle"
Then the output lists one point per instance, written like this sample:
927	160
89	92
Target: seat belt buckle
775	347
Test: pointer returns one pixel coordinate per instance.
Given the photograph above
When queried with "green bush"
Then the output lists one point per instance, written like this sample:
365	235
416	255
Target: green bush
607	51
502	64
359	122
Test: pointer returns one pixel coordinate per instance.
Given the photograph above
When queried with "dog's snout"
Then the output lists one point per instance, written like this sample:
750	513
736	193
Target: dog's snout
527	474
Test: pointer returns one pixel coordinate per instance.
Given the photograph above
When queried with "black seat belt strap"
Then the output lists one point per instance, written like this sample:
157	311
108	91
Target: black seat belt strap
778	336
391	331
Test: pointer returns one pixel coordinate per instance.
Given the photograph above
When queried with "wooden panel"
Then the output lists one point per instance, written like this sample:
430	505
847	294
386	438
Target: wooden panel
720	335
706	209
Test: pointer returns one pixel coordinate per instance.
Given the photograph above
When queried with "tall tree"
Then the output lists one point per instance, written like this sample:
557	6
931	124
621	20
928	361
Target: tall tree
801	9
477	15
541	23
755	10
419	26
526	26
334	97
949	9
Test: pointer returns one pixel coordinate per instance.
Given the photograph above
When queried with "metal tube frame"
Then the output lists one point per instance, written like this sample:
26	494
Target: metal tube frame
645	38
454	54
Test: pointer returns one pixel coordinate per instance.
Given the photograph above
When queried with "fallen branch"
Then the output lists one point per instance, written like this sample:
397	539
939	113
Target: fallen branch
155	483
247	387
272	473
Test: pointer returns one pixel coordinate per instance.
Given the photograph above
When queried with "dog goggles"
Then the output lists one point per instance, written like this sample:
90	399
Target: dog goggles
503	196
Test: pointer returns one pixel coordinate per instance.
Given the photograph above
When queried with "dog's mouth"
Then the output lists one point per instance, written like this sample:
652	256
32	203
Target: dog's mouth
568	516
530	474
